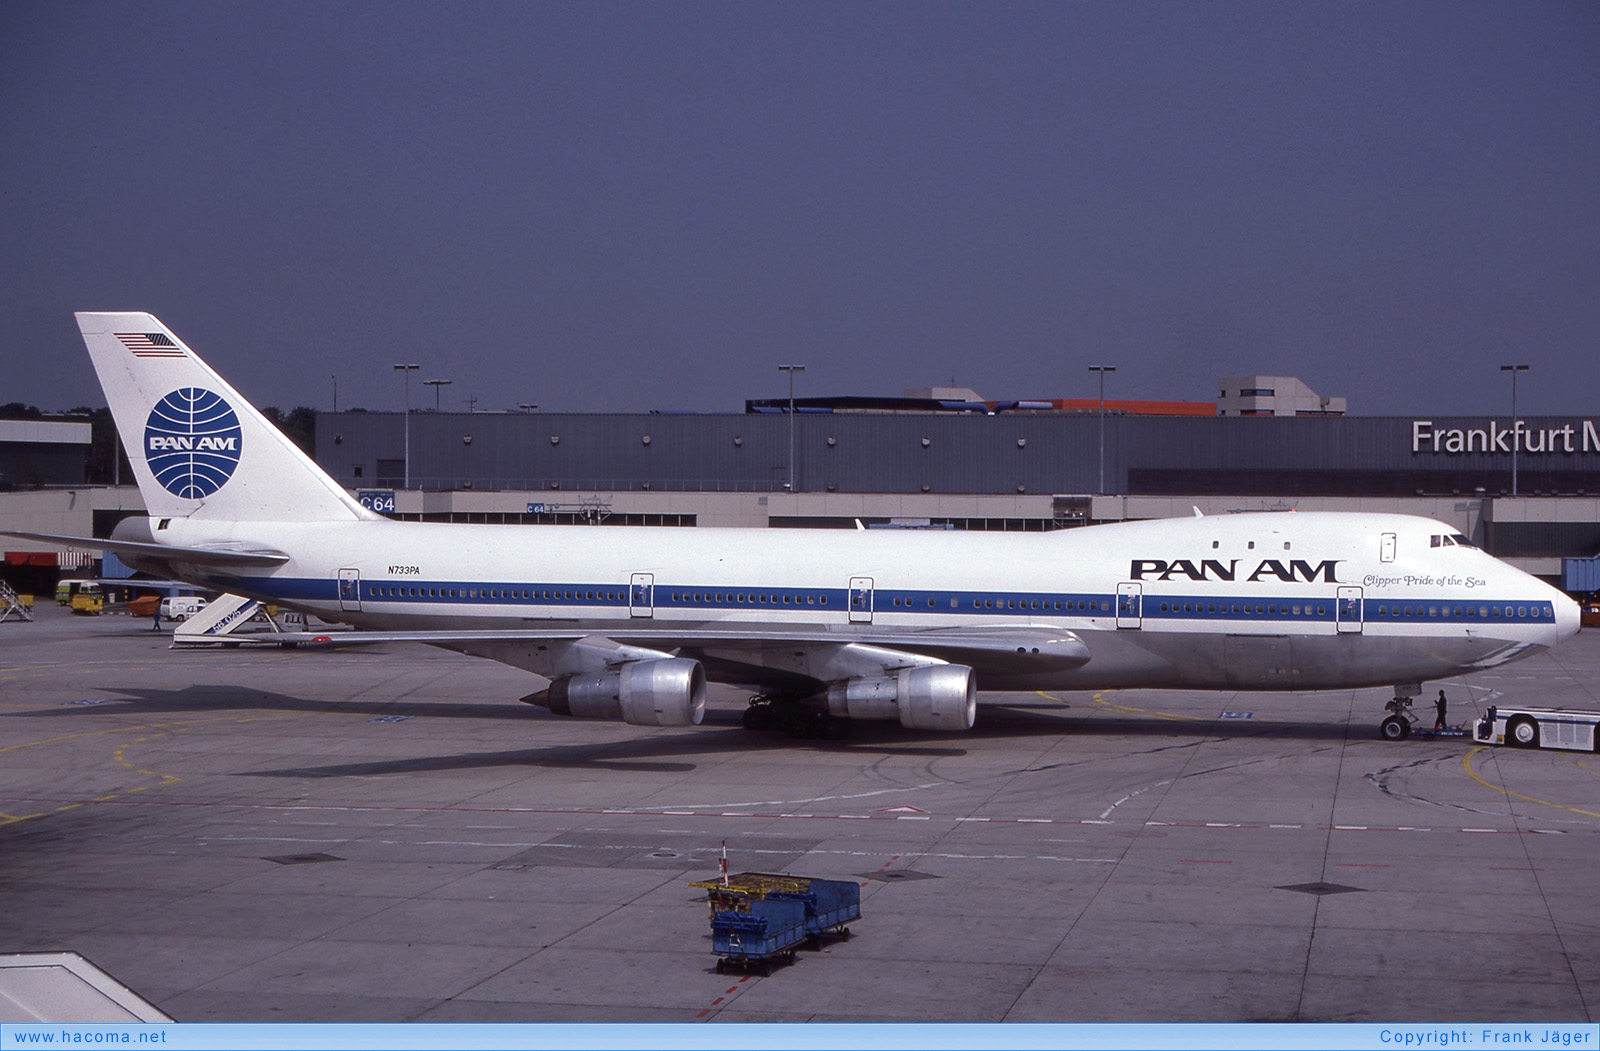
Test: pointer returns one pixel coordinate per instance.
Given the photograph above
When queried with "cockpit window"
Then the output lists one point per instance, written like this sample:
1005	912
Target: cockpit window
1449	540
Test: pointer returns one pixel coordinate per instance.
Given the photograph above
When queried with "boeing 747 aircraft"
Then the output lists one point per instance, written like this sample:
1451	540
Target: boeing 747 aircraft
825	626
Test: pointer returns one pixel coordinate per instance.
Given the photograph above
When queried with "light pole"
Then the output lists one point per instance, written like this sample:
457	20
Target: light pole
436	384
791	370
1102	370
406	371
1516	435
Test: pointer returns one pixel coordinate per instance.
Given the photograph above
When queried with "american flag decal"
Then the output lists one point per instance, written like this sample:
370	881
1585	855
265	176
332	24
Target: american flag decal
150	345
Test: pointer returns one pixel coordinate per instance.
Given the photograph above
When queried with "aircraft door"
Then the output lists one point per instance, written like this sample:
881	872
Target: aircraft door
1386	545
1130	605
641	595
861	600
350	590
1348	610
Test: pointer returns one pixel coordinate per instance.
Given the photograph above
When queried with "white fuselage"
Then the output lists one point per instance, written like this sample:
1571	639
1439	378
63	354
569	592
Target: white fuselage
1255	601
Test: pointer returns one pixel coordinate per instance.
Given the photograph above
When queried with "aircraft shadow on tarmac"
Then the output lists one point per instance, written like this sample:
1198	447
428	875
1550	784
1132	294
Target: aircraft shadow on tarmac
996	719
720	734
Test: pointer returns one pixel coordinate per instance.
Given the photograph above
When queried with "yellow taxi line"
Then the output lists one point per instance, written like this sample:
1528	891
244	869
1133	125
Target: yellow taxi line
1466	764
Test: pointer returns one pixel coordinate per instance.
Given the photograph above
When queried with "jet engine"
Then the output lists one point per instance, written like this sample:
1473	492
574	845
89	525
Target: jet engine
941	697
668	692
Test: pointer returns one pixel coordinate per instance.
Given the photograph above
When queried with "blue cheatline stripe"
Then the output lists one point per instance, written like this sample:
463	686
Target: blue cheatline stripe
1226	608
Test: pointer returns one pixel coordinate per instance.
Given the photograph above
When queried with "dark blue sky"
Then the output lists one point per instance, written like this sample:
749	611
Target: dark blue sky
624	206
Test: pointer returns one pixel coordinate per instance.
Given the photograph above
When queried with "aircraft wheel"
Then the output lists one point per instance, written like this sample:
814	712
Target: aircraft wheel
835	728
1524	733
719	966
757	717
1394	728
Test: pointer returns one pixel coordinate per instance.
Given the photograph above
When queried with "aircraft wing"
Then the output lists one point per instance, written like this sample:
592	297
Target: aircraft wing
221	555
1013	648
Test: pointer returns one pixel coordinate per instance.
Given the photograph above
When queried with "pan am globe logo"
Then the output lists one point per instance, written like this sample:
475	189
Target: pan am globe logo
192	442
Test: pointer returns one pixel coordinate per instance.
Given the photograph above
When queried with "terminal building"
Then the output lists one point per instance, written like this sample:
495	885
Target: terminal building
41	452
1527	491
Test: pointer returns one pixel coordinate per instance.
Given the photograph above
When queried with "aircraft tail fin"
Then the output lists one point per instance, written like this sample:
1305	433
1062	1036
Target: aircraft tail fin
199	449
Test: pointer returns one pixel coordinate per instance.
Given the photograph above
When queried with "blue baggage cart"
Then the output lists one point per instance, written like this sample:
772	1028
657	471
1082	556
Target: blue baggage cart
768	931
830	904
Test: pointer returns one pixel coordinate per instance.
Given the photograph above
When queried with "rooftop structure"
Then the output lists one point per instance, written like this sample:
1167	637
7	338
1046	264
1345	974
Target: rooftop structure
1273	396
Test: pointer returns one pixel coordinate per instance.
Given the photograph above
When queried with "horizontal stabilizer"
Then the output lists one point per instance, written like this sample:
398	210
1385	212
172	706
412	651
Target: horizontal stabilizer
205	556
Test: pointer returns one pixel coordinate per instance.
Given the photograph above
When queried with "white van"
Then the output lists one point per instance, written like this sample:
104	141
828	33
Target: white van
181	607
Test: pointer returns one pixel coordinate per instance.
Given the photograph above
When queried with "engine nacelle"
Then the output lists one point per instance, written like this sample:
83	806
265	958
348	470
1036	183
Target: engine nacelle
943	697
669	692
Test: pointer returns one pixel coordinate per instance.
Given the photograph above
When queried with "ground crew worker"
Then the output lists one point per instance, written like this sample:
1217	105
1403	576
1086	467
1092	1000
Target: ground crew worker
1439	707
157	615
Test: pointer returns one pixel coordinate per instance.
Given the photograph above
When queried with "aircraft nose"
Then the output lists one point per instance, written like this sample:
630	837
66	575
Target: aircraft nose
1567	615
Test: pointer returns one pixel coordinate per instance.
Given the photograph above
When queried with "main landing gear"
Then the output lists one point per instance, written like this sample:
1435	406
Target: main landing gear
799	721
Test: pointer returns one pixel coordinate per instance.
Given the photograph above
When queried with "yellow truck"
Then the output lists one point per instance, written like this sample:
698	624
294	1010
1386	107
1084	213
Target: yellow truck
84	597
88	602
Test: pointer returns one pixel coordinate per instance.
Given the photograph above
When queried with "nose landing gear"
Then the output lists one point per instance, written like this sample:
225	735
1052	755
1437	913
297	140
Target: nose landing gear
1403	721
1397	727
